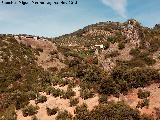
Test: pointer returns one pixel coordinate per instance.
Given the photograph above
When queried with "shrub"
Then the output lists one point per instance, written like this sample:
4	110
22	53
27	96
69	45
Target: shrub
32	95
134	52
142	56
9	114
122	79
73	101
40	49
154	45
53	52
34	117
64	115
109	87
21	99
103	98
74	62
111	39
121	45
56	80
109	111
63	82
106	45
52	111
114	111
57	92
157	111
81	112
81	108
49	90
69	93
95	60
72	84
90	51
136	63
146	117
41	99
91	74
29	110
143	103
149	60
71	53
86	93
112	54
143	94
53	69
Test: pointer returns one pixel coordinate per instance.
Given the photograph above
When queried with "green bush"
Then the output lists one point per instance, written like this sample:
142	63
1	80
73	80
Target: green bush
72	84
86	93
81	112
122	79
112	111
32	95
111	39
20	99
53	52
41	99
106	45
143	103
52	111
81	108
154	45
29	110
157	112
53	69
74	62
40	49
121	45
9	114
109	111
149	60
143	94
56	80
89	73
34	117
103	99
146	117
95	60
134	62
68	94
64	115
57	92
134	52
112	54
73	101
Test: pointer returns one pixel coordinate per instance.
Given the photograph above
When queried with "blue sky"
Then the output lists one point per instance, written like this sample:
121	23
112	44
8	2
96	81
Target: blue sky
55	20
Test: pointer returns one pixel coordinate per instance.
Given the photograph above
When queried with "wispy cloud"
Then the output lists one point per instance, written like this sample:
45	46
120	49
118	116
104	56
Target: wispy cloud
118	5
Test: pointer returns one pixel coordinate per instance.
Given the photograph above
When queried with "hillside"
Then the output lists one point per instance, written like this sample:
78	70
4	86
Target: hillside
106	71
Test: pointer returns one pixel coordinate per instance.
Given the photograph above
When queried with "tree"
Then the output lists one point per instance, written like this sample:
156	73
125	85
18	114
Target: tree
64	115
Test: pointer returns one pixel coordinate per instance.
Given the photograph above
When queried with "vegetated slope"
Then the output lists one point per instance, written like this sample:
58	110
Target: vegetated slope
20	76
129	59
120	40
47	49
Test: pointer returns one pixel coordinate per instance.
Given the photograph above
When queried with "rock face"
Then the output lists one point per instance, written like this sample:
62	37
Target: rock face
131	33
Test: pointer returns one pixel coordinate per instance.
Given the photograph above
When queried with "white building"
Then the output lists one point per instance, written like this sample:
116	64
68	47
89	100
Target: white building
100	46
